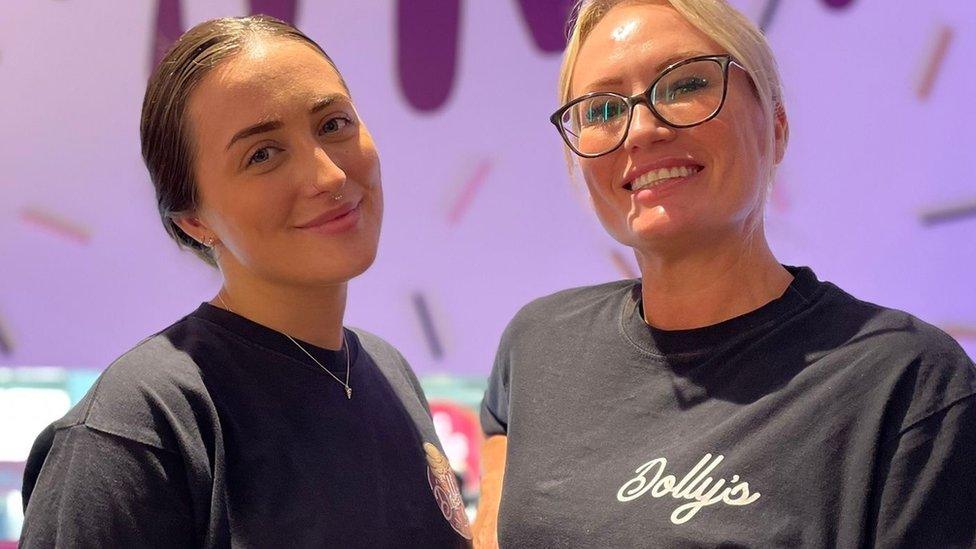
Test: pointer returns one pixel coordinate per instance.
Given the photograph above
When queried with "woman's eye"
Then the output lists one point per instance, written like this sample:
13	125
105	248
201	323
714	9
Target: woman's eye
333	125
604	111
686	87
262	155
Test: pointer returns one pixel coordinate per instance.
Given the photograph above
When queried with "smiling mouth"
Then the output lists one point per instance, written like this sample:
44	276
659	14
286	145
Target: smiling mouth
339	220
660	176
332	216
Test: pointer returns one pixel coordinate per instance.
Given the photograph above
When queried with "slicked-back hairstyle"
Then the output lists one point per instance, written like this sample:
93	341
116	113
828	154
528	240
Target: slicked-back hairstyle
167	145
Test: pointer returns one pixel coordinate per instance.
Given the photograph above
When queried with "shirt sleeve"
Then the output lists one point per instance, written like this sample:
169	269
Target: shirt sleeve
494	405
928	492
88	488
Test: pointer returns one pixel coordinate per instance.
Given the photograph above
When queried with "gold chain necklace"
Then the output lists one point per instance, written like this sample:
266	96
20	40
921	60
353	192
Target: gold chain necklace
345	384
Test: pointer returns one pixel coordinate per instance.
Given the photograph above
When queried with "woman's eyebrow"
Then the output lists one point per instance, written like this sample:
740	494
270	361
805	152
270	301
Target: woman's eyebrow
672	59
609	81
271	125
260	127
326	101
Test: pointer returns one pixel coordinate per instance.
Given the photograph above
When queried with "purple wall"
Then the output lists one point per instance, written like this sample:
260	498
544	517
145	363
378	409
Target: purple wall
481	216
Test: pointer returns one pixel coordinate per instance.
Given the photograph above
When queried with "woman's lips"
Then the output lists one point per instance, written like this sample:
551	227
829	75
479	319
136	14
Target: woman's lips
652	195
662	175
663	169
334	221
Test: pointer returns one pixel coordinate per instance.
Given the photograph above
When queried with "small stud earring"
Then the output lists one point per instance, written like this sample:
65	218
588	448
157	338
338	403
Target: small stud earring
209	242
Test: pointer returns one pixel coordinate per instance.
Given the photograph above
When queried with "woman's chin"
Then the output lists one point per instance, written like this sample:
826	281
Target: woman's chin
654	224
350	268
656	230
326	270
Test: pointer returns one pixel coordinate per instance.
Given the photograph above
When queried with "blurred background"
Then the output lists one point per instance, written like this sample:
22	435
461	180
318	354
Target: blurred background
877	192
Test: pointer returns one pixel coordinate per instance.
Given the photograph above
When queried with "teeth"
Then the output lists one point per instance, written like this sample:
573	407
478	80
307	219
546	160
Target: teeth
652	178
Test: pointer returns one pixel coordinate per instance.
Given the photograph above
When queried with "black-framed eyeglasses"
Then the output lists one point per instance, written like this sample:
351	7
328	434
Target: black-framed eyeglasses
685	94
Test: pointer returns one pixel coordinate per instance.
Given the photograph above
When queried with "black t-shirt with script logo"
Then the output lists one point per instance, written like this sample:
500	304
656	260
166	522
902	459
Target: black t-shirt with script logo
220	432
816	420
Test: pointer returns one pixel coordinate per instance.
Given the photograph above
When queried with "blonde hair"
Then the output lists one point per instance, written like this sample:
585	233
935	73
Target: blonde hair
716	19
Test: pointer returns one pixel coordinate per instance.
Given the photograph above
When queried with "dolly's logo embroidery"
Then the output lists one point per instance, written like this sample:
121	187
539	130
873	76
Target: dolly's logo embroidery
696	486
446	492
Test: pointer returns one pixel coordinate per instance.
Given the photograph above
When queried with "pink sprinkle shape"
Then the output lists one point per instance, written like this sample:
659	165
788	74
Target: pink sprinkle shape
56	224
468	191
933	64
961	332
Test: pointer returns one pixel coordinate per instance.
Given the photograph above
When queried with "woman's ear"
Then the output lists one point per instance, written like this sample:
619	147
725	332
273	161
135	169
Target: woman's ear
781	128
194	227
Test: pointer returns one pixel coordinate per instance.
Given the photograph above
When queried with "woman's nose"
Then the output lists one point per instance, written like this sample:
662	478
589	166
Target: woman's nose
646	129
325	175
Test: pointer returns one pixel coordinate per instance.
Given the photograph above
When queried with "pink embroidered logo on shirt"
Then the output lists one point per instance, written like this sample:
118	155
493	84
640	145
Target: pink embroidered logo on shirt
446	492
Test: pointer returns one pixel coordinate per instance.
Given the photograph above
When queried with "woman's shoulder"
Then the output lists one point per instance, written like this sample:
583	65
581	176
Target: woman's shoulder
928	368
937	362
582	301
386	357
383	354
148	394
376	347
891	330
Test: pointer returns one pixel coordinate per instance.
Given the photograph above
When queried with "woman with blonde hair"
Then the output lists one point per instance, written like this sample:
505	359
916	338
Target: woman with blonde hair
722	399
258	420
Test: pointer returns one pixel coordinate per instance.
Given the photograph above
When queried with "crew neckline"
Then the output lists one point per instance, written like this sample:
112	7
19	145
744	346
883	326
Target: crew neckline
699	342
276	341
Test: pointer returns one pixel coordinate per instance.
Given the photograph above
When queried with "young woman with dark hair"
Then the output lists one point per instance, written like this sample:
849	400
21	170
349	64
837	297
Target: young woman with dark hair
258	419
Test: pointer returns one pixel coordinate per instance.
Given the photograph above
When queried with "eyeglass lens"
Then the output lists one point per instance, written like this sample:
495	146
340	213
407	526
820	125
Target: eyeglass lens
684	96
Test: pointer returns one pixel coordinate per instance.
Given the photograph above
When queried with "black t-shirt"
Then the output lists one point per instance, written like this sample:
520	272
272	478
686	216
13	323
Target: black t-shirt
219	432
816	420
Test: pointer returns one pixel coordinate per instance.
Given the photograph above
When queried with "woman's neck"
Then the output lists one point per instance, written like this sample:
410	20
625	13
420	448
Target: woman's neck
711	284
312	314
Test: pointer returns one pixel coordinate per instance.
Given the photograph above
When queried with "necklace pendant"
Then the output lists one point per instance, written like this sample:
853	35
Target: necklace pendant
348	392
